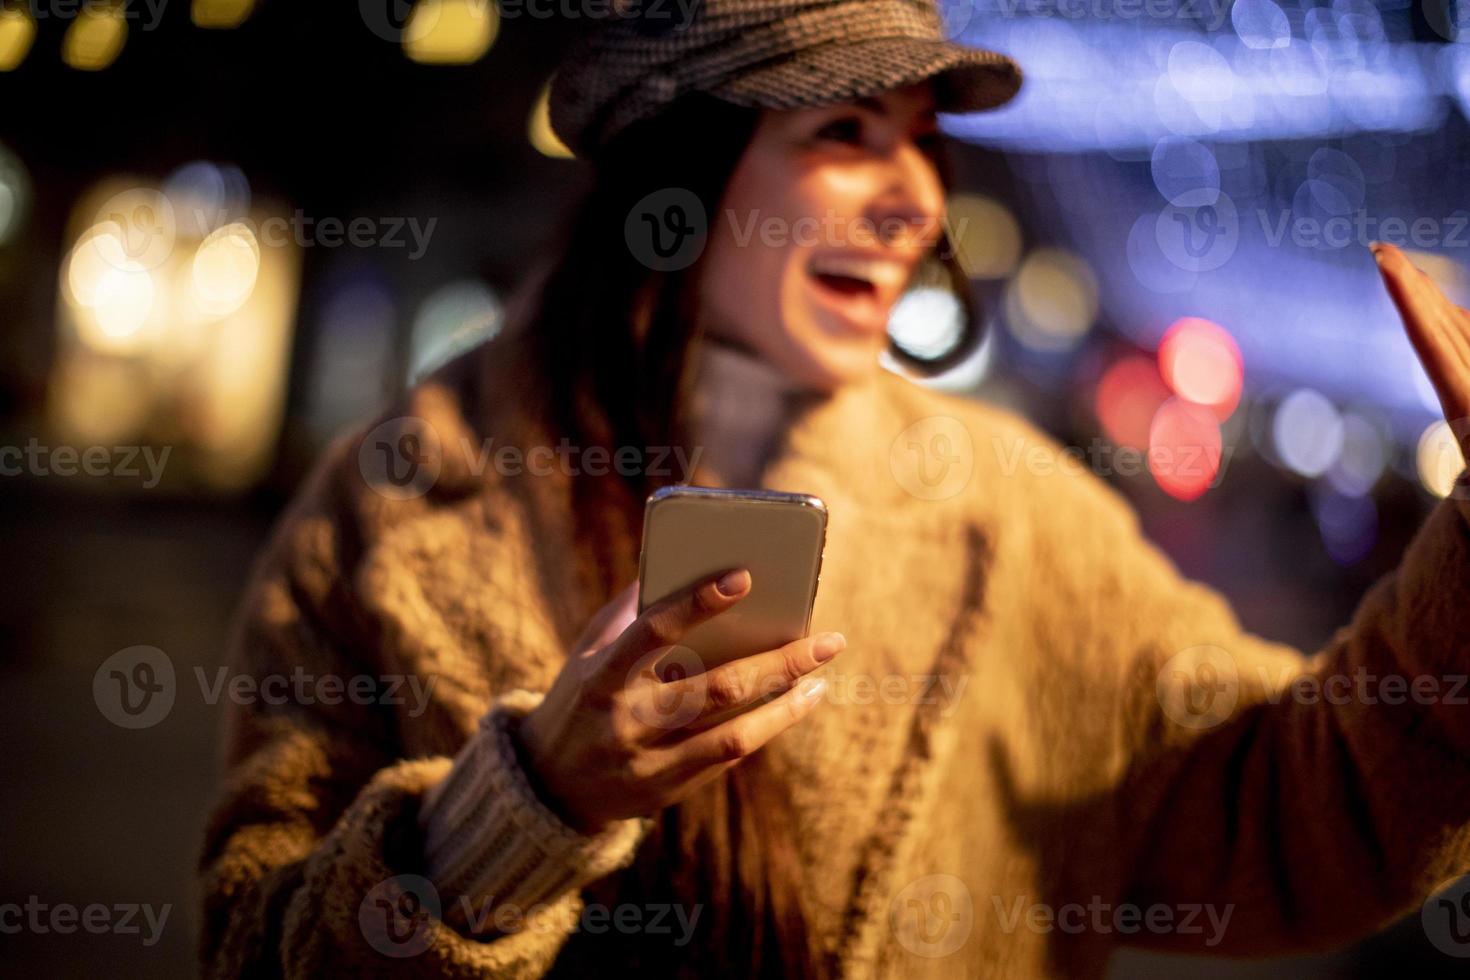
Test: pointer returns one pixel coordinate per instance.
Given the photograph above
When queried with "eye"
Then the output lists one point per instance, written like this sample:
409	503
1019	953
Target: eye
929	141
847	129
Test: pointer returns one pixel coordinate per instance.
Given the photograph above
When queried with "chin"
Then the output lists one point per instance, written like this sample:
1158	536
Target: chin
829	366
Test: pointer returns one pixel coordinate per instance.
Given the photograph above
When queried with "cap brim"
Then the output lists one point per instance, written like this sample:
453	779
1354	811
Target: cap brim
965	79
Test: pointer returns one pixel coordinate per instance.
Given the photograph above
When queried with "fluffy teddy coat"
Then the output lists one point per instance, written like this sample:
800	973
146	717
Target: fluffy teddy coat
1041	741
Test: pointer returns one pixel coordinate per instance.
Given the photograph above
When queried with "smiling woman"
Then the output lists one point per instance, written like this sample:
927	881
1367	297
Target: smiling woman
1117	777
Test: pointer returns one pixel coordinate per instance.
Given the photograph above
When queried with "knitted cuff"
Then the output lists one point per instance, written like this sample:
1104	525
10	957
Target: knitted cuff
489	838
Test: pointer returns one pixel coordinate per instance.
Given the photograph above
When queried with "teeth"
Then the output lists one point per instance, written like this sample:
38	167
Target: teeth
875	272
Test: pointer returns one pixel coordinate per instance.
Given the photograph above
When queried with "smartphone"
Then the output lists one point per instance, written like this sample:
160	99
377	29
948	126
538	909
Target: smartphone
691	533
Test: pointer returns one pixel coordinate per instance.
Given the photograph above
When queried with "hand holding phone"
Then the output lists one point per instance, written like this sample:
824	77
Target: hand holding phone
613	740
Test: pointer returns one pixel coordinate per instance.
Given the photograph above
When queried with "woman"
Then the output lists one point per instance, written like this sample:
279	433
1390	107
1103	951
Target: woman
1013	721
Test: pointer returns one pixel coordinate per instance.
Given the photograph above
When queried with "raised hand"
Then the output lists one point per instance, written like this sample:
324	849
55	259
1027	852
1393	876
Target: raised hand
1440	332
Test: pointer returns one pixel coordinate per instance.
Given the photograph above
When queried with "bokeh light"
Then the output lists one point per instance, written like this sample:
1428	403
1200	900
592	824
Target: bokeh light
539	130
450	32
927	322
96	37
452	319
1128	397
1307	432
985	235
1348	523
1052	301
220	14
1363	458
1201	362
15	194
225	269
17	32
1184	449
1439	459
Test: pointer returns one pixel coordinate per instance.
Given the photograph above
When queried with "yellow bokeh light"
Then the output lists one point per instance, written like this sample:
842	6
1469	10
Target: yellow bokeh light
95	38
220	14
111	294
1440	459
985	235
1051	303
450	32
99	250
17	31
542	136
225	269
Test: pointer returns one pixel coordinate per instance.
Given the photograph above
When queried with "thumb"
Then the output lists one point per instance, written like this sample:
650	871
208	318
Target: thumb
609	622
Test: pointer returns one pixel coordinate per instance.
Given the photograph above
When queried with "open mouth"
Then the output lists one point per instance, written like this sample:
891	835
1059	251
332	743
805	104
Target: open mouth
859	287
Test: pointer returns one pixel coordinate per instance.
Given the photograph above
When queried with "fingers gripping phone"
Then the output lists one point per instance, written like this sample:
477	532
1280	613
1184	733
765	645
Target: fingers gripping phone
691	533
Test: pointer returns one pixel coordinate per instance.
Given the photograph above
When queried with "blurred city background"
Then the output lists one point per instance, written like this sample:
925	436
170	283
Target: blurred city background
228	229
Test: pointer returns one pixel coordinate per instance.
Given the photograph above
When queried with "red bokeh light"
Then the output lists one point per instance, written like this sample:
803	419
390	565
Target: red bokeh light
1184	449
1201	363
1128	396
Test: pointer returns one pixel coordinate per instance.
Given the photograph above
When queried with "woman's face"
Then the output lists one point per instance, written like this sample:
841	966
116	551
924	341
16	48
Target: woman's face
826	216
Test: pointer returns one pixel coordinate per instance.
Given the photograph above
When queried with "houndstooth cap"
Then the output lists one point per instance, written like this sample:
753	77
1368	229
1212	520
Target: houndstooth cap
780	54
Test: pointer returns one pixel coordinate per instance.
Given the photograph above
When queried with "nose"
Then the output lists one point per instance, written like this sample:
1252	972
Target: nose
909	212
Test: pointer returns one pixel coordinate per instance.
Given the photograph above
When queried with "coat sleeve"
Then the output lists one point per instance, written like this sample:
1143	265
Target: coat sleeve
313	863
1320	797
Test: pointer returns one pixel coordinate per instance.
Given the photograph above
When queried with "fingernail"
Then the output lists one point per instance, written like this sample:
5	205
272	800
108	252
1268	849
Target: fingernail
812	689
1377	249
828	645
733	583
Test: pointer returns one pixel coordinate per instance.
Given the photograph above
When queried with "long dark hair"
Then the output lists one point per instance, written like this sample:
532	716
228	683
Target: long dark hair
612	339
